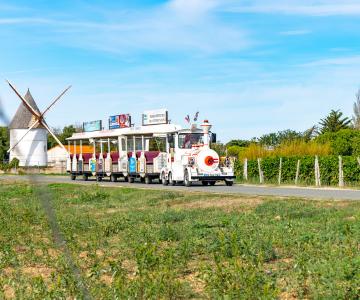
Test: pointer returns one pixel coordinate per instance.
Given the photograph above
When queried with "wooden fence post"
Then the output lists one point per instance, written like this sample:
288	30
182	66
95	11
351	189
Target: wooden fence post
341	172
261	174
246	169
280	167
297	172
317	172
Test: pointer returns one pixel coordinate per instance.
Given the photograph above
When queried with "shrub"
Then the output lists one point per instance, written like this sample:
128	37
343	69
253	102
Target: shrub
329	169
13	164
295	148
344	142
234	151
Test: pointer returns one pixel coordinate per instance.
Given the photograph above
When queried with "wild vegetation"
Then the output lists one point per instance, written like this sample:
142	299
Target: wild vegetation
328	165
132	243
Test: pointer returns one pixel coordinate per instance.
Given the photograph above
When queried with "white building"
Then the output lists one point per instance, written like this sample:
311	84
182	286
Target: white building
32	150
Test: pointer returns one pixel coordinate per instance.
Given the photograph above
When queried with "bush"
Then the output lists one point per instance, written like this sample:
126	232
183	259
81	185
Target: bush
344	142
234	151
13	164
329	169
295	148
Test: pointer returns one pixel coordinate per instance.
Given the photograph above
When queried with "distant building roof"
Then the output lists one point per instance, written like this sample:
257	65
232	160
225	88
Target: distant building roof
23	118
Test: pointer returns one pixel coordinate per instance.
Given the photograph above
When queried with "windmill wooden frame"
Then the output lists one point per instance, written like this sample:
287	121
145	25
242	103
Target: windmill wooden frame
39	117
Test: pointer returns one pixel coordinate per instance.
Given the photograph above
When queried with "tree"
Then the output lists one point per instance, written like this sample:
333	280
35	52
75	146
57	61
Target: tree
310	133
343	142
281	137
334	122
356	116
62	135
4	142
269	140
240	143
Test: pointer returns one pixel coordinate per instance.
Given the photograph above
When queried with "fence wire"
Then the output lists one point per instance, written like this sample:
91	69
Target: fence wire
45	197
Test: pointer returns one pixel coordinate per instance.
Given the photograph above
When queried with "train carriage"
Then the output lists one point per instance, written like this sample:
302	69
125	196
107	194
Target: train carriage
164	152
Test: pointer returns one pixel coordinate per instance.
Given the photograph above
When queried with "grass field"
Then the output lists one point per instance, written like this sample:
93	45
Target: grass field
132	243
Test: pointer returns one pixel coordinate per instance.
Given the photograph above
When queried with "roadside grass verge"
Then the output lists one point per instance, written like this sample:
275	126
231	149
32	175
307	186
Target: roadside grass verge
133	243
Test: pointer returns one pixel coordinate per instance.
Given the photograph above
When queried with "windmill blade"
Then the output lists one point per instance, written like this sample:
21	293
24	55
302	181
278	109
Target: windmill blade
57	99
54	136
28	106
17	143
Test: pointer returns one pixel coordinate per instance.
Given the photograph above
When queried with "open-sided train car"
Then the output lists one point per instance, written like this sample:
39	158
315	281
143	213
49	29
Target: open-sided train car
129	153
165	152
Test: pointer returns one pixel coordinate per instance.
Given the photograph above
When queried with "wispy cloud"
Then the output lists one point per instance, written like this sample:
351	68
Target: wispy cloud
335	61
295	7
296	32
178	26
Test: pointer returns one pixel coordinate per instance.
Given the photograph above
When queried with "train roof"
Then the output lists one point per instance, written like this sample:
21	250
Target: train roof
136	130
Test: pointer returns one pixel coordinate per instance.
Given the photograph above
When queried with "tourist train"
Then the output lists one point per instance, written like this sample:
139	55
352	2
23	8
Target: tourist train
153	151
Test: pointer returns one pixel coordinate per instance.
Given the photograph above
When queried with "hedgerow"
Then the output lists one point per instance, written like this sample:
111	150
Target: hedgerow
329	169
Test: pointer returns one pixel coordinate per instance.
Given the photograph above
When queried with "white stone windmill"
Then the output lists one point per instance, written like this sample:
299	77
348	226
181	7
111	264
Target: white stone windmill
28	131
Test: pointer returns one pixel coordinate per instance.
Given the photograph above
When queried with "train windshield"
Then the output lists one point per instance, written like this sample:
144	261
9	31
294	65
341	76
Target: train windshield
187	140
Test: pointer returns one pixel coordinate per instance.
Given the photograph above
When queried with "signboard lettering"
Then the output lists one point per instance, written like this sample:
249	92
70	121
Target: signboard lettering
155	117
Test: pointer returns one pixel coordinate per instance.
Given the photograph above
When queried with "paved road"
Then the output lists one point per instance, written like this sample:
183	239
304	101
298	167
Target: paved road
302	192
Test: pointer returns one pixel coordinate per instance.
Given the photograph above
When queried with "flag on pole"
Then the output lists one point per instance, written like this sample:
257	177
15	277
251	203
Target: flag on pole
196	116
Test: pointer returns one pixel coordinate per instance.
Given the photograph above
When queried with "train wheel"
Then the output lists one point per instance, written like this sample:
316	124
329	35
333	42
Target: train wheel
113	178
187	181
85	177
73	177
229	183
148	180
98	178
171	181
164	180
131	179
204	183
212	183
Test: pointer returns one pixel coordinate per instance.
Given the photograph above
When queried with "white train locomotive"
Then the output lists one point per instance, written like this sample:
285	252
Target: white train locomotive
163	152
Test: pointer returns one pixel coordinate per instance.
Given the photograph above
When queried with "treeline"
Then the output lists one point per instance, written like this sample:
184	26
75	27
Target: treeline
333	135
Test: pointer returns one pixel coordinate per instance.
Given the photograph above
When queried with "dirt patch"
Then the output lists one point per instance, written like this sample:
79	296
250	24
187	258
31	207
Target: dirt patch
8	271
227	204
287	296
53	253
99	253
106	279
197	285
38	252
20	249
130	266
9	292
83	254
38	271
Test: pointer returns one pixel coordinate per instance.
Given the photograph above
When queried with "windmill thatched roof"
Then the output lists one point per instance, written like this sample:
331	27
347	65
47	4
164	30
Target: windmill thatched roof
23	118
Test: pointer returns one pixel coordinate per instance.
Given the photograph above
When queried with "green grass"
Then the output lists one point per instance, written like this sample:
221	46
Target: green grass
143	244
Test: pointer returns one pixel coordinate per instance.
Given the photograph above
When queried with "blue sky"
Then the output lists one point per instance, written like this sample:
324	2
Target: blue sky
250	67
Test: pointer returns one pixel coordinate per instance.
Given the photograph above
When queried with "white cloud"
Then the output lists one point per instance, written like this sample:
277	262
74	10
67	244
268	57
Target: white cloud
296	32
176	26
192	9
336	61
295	7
